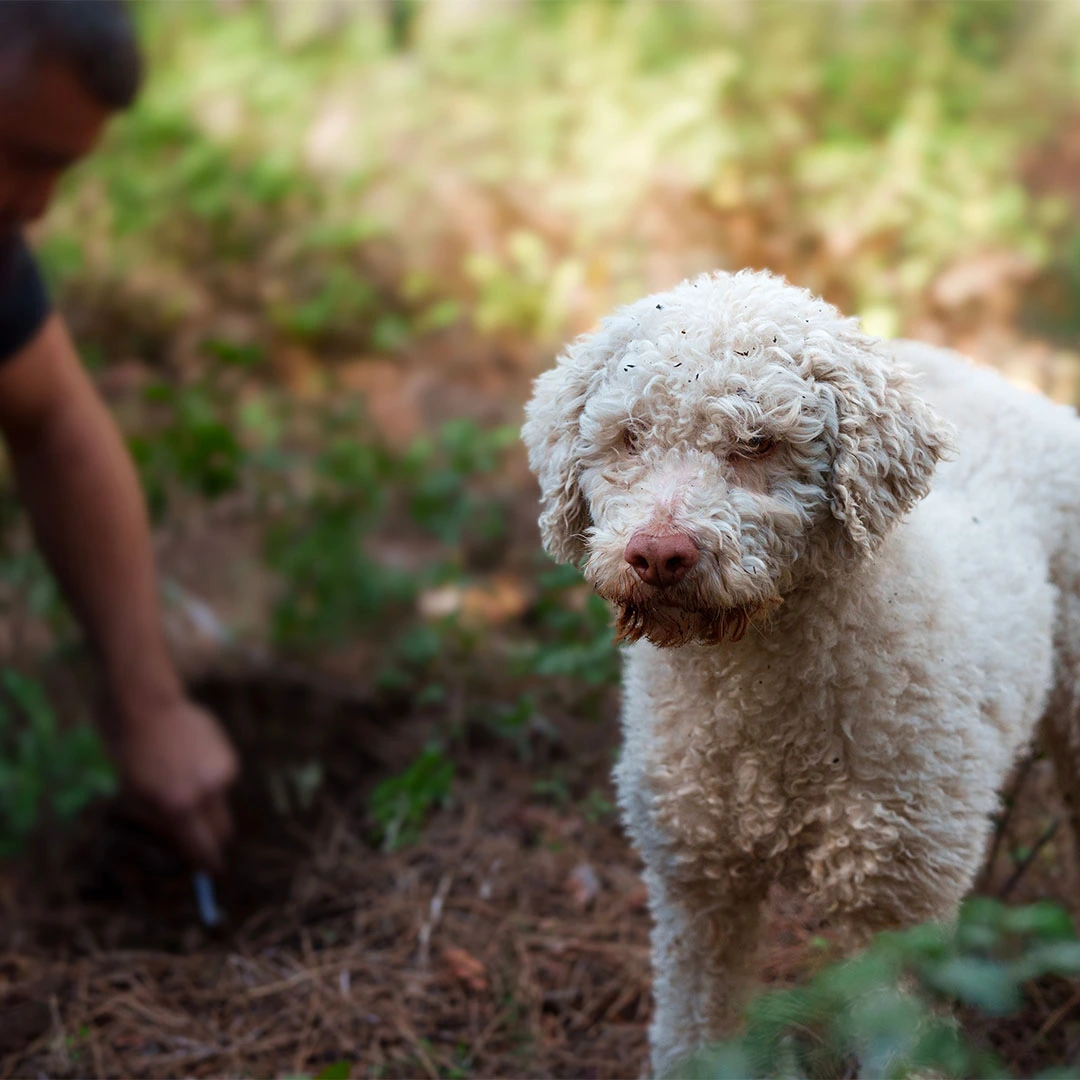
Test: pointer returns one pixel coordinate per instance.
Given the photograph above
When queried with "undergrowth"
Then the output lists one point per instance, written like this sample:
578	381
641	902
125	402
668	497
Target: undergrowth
880	1014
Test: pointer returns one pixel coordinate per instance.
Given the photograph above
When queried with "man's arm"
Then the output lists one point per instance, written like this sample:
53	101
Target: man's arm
80	487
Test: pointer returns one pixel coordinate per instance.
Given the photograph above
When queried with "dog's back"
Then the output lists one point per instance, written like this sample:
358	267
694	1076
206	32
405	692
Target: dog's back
1016	448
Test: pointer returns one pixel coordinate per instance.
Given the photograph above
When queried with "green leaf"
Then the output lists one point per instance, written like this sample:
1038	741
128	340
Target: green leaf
339	1070
986	984
401	803
1049	958
1043	919
726	1062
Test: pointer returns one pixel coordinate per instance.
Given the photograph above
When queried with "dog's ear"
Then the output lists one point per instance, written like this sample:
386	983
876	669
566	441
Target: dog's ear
887	439
552	435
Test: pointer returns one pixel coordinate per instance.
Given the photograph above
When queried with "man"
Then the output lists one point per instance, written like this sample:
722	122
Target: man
64	69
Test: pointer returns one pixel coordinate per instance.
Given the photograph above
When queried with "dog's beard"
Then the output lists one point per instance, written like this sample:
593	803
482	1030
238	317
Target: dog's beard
668	627
690	613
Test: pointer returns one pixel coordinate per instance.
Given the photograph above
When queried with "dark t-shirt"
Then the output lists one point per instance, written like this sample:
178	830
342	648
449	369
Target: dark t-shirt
24	302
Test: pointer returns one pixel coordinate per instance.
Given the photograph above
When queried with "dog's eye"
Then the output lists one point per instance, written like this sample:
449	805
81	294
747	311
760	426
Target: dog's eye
631	441
756	446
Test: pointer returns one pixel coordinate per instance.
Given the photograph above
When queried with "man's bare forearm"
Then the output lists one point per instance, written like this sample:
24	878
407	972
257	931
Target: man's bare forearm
80	488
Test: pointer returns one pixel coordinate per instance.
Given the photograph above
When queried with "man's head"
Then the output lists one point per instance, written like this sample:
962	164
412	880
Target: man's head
64	68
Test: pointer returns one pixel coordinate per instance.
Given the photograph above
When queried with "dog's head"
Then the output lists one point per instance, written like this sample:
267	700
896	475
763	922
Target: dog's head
709	447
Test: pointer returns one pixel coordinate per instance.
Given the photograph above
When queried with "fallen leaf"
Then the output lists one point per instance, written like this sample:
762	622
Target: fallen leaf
489	603
440	603
496	601
466	968
584	885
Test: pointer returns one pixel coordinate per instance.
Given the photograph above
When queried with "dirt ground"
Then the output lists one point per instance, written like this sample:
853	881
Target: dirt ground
511	941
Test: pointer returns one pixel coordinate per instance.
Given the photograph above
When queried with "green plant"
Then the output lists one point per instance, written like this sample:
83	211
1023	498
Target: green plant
400	804
597	807
340	298
191	441
43	769
320	546
338	1070
326	546
438	473
554	788
528	291
575	639
514	721
36	592
883	1009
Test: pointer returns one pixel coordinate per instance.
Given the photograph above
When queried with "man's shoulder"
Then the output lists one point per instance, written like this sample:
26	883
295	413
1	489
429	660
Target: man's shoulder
11	246
24	301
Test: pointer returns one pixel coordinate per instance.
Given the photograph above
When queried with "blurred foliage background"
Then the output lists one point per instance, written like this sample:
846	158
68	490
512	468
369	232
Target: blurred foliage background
357	177
317	265
315	269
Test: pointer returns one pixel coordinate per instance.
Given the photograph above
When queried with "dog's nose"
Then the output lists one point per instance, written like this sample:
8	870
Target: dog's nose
661	560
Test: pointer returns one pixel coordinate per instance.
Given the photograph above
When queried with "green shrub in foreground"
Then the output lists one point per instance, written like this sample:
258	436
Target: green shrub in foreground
880	1012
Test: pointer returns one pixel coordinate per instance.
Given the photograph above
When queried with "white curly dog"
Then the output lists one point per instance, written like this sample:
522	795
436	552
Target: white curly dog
838	652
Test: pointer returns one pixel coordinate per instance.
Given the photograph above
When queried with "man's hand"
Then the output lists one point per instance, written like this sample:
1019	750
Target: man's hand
179	764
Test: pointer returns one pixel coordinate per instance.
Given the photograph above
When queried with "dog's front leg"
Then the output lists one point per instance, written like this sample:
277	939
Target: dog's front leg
705	941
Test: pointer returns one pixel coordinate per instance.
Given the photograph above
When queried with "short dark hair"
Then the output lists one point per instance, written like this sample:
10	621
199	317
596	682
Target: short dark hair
95	39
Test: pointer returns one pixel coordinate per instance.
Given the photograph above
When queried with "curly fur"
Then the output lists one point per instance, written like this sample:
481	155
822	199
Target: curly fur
886	605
